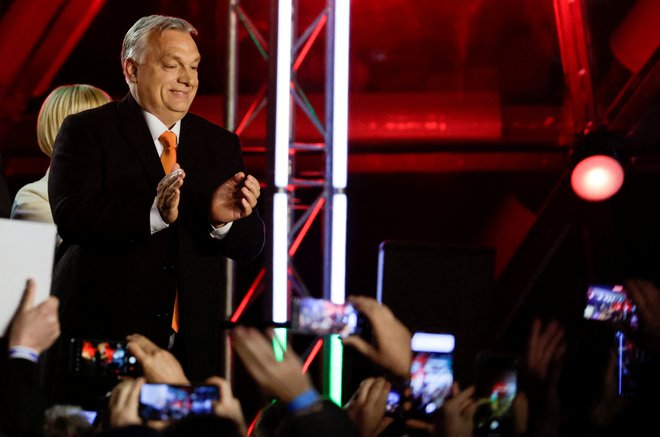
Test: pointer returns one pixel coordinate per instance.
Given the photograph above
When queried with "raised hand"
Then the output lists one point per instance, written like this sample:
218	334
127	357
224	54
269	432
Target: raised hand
456	416
545	348
234	199
367	406
158	365
36	327
281	379
228	406
124	401
168	194
392	339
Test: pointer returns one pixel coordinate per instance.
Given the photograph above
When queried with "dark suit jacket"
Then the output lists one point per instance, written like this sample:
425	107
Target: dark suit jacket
22	402
113	277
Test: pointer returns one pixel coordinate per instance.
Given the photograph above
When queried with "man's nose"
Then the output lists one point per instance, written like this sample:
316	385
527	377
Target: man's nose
188	77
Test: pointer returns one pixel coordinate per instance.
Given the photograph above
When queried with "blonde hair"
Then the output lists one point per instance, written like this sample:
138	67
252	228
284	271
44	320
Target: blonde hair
61	102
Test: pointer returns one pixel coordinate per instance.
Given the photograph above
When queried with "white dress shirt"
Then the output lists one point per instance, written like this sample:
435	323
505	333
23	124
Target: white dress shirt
156	128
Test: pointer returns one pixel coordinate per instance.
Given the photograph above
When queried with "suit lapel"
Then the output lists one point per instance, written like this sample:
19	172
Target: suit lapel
185	150
134	128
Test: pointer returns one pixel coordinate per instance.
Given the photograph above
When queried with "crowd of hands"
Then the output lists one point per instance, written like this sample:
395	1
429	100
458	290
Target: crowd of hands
536	408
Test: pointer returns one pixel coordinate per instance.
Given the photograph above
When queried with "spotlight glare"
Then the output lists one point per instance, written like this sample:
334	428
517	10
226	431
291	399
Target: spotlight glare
597	178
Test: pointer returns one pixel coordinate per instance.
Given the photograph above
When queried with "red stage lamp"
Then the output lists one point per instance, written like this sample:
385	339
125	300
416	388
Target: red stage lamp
597	178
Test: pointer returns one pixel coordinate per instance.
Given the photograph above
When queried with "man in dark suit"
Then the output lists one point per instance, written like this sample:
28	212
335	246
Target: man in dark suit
143	237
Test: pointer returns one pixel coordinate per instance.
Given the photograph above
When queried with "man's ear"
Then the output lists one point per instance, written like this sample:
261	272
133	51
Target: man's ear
130	71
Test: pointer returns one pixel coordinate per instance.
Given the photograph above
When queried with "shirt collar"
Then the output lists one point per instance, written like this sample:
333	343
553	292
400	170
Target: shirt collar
157	127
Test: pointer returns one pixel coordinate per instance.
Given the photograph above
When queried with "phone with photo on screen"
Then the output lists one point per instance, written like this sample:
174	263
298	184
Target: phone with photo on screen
496	386
101	358
174	402
323	317
610	303
431	377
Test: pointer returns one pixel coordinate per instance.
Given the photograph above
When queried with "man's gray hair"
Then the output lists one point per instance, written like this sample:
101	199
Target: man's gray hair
136	39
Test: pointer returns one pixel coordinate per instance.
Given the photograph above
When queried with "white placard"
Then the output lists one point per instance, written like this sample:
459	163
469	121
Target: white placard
27	250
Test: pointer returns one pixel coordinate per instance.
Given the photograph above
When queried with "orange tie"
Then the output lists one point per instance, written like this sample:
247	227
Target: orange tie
168	158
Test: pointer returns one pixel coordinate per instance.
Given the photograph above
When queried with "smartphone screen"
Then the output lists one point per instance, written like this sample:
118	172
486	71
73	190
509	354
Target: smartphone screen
610	303
101	358
431	377
173	402
630	359
496	387
322	317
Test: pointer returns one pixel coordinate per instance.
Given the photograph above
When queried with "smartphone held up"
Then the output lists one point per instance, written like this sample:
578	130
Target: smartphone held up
323	317
610	303
431	377
167	402
101	358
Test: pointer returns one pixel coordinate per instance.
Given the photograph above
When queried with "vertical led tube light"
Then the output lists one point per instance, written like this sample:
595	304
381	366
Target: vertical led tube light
338	249
339	147
283	93
281	173
340	94
280	258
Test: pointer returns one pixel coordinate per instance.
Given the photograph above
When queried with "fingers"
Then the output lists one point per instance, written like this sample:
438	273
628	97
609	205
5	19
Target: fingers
553	336
238	178
363	391
465	395
28	295
169	190
223	387
253	185
364	304
253	349
133	396
246	207
121	393
138	352
147	345
141	347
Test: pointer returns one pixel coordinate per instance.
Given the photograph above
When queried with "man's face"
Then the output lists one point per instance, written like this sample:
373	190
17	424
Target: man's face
165	82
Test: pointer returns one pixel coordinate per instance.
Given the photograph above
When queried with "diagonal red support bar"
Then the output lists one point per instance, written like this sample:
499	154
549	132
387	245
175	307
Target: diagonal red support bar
308	44
261	95
305	228
254	423
313	353
248	296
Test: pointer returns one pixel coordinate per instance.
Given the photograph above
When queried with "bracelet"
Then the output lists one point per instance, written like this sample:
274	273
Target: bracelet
24	352
304	400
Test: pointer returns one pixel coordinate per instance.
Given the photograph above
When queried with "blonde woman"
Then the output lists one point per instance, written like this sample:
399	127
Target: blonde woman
31	202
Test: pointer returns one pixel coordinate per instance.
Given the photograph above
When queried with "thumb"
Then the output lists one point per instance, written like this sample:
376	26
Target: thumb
238	177
28	296
138	352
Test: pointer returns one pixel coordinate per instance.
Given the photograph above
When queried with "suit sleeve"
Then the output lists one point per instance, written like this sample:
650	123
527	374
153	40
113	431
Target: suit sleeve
245	239
22	400
85	207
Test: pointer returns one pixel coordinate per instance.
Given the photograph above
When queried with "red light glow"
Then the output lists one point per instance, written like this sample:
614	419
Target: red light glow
597	178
